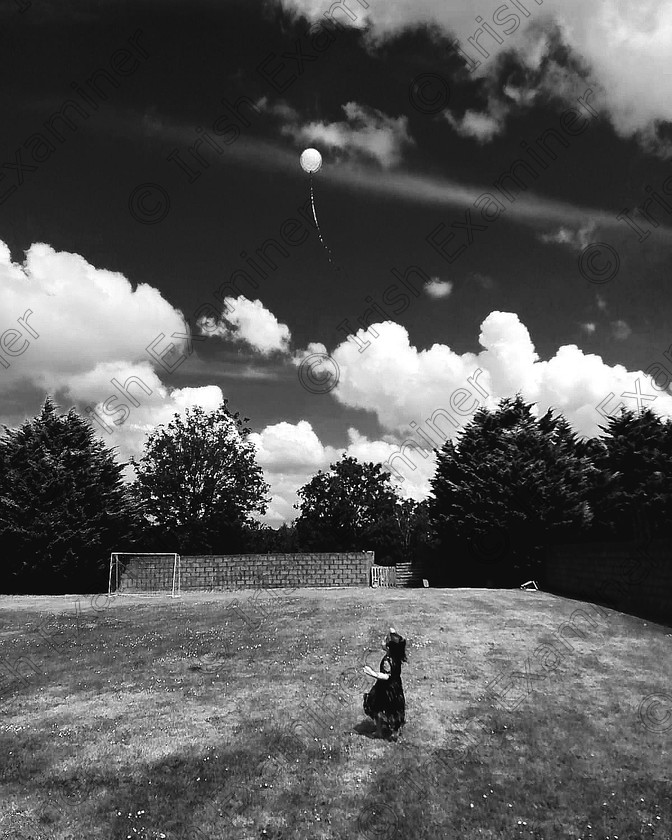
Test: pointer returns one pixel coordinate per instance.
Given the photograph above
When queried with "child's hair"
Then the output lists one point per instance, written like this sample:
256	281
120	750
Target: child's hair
396	645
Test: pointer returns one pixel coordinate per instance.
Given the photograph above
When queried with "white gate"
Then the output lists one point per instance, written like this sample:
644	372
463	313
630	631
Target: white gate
383	576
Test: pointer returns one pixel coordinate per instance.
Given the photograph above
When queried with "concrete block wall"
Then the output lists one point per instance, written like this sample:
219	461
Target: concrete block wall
235	571
152	573
631	577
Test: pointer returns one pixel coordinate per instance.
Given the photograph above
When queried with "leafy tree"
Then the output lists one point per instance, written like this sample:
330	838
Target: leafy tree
510	484
413	538
636	459
265	540
352	507
63	505
198	481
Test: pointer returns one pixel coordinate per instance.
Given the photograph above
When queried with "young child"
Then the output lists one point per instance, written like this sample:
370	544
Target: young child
385	703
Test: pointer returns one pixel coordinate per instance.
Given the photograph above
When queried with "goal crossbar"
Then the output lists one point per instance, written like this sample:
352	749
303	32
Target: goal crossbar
145	573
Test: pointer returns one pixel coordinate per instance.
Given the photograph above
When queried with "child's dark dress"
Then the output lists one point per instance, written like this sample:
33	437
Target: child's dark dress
386	698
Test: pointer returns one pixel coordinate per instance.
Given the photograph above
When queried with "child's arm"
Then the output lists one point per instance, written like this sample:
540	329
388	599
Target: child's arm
379	675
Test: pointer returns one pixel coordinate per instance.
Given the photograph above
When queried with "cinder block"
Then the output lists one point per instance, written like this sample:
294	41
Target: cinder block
316	569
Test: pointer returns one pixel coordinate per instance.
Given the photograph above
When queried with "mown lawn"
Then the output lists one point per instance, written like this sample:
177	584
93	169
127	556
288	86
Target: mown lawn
239	716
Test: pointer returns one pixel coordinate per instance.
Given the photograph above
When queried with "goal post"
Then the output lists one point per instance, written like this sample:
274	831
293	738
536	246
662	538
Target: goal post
145	573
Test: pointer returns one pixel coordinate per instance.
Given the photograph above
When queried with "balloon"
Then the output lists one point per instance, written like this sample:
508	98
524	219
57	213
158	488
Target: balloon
311	160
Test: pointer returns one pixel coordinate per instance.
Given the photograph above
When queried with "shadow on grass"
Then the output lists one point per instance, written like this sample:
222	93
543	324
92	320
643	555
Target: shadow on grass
540	774
367	728
267	782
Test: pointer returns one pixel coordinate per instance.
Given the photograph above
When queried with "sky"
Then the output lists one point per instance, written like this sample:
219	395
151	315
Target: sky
494	214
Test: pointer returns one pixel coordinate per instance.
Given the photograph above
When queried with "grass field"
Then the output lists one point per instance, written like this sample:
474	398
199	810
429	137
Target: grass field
240	716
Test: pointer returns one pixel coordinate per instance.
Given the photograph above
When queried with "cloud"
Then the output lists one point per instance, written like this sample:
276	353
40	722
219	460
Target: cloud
280	109
249	322
153	410
86	336
574	238
403	385
317	371
437	289
396	381
537	77
487	203
620	330
291	453
429	191
81	313
589	327
365	132
623	46
83	333
423	397
482	127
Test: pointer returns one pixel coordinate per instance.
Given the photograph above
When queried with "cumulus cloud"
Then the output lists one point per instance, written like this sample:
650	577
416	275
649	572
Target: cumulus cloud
157	408
83	315
85	335
436	288
365	132
318	372
395	380
404	385
248	322
423	397
291	453
623	45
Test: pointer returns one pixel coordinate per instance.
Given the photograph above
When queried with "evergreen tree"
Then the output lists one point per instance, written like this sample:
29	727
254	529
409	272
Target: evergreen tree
510	484
63	505
635	461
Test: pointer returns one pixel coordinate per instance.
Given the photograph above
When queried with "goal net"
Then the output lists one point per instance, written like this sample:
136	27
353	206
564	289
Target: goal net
144	573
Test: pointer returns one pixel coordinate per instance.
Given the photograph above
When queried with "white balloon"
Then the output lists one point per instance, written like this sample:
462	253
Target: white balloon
311	160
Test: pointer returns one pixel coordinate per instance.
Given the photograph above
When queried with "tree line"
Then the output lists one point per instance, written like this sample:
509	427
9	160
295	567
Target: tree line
512	484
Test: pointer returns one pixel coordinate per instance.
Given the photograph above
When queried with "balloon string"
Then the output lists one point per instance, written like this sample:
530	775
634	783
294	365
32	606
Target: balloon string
317	224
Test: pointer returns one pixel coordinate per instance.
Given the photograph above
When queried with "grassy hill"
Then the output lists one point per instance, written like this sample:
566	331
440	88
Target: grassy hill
240	716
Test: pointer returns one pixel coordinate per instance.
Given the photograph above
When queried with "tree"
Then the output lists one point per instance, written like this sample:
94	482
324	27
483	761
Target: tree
198	481
636	456
265	540
63	505
352	507
412	532
509	485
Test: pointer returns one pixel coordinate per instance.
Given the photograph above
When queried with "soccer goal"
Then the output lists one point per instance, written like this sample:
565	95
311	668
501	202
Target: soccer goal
144	573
